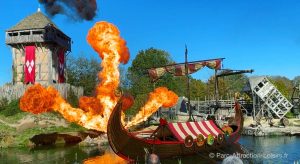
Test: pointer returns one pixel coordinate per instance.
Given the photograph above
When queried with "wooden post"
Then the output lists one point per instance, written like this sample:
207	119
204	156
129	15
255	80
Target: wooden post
253	105
216	90
188	84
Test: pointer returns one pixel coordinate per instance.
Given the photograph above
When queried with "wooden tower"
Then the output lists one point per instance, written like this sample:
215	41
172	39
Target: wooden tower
39	49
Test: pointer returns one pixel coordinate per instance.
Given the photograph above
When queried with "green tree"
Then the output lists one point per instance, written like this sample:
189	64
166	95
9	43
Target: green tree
296	81
124	82
139	81
82	71
235	83
283	84
222	88
228	85
10	108
197	89
137	73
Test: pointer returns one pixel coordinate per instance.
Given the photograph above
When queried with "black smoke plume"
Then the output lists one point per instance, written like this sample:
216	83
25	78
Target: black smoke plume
76	9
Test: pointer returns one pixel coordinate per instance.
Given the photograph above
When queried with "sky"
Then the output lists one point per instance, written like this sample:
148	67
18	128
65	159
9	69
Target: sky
249	34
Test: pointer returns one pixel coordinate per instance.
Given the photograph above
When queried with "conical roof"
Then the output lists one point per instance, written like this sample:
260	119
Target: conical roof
254	80
34	21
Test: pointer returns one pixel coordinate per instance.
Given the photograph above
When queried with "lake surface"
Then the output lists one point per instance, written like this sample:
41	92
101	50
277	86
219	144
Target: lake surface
277	149
257	150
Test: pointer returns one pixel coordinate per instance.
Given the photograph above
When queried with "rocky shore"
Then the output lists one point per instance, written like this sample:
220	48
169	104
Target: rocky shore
277	129
84	138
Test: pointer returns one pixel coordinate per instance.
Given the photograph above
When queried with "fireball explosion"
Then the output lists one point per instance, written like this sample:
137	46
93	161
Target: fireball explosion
94	112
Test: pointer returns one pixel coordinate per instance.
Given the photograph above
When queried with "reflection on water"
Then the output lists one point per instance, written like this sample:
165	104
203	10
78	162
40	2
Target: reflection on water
95	154
109	155
48	155
203	157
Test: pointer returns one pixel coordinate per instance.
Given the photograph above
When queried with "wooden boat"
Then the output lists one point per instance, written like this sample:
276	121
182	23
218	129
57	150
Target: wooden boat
164	143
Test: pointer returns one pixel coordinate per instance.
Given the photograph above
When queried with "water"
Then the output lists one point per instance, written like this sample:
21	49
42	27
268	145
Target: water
49	155
264	150
279	149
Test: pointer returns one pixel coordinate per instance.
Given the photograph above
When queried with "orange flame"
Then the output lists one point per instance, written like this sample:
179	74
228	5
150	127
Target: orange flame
94	112
159	97
90	104
38	99
107	157
105	38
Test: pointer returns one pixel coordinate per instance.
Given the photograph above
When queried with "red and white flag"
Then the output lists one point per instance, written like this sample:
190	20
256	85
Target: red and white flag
214	64
179	69
61	66
29	68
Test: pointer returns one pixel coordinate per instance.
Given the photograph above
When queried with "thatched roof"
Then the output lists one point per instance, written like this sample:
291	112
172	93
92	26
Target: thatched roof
34	21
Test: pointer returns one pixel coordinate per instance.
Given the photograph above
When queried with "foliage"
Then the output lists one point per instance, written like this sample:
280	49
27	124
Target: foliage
3	103
235	83
82	71
222	88
137	73
139	81
197	89
124	82
11	108
283	84
22	140
139	101
14	118
76	126
296	81
227	85
290	115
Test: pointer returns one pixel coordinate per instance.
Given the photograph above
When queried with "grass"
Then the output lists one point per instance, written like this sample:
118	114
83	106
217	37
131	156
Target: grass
10	113
4	129
14	118
23	139
9	137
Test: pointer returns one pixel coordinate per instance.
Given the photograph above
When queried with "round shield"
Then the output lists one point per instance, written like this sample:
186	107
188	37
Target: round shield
210	139
220	138
200	140
228	129
188	141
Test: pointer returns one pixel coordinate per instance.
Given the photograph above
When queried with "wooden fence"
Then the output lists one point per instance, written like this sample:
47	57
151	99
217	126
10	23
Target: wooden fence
11	92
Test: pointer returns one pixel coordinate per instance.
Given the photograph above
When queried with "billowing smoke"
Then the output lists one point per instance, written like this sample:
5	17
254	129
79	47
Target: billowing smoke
76	9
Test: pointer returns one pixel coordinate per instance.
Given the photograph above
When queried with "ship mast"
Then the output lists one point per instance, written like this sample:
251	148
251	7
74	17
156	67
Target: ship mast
188	84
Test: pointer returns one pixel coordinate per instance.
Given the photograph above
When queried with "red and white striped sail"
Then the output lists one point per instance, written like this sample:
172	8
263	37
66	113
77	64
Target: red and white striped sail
181	130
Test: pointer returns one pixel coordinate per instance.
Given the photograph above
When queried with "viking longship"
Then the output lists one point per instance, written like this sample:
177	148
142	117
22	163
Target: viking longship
173	139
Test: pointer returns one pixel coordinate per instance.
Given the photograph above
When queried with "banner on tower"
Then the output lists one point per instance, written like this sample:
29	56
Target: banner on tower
61	66
29	68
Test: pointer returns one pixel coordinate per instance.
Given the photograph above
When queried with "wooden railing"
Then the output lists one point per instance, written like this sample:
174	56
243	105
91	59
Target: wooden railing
11	92
24	39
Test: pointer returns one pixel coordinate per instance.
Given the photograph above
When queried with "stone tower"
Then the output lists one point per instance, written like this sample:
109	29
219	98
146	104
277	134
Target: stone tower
39	49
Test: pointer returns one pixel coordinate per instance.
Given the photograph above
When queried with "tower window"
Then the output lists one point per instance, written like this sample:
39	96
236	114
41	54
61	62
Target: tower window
37	32
13	34
25	33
